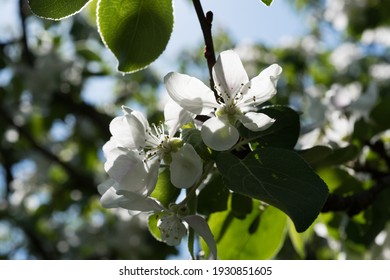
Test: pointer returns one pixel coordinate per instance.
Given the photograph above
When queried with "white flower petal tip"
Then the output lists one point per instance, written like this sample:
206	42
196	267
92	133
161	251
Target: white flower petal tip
129	130
109	199
219	135
229	74
256	121
186	167
190	93
274	71
202	228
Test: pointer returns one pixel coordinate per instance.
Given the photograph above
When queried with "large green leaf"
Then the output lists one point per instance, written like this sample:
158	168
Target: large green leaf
136	31
279	177
259	236
213	197
56	9
283	133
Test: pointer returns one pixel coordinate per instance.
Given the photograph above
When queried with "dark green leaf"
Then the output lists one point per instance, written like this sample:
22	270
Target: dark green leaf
279	177
136	31
267	2
341	155
315	154
381	113
165	192
325	156
283	133
56	9
214	196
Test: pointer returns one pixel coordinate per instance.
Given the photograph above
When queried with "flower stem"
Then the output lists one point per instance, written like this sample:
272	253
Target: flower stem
209	53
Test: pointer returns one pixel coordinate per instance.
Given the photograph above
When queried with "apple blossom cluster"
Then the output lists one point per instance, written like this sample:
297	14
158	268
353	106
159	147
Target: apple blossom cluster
137	150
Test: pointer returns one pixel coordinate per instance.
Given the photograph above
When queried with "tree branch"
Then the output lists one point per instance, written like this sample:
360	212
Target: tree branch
85	182
209	53
353	204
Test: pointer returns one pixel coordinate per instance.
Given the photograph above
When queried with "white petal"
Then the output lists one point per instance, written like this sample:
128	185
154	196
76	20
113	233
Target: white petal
256	121
129	130
172	230
141	177
175	117
186	167
109	199
262	87
128	111
219	135
105	186
202	228
229	73
273	71
137	202
129	170
190	93
111	153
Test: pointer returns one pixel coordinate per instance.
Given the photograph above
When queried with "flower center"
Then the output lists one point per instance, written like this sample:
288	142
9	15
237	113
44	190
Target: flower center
160	144
229	98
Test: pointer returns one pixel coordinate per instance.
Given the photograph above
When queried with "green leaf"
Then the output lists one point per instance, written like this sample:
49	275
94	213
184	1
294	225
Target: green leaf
278	177
299	240
56	9
267	2
136	31
283	133
341	155
259	236
315	154
325	156
381	113
340	181
164	191
213	197
153	225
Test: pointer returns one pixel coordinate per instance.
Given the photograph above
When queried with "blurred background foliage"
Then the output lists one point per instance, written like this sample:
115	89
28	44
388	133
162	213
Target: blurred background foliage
59	91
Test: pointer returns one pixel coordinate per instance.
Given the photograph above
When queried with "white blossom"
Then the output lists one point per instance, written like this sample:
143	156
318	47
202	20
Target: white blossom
171	220
238	98
136	150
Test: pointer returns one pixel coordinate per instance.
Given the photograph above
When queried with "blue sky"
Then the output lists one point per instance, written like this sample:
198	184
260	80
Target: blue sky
245	20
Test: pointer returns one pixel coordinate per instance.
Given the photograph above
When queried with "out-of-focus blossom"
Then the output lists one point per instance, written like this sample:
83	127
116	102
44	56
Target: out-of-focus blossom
379	35
344	55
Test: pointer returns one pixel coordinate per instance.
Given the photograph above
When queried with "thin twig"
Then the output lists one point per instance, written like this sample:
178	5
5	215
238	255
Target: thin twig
209	53
26	53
